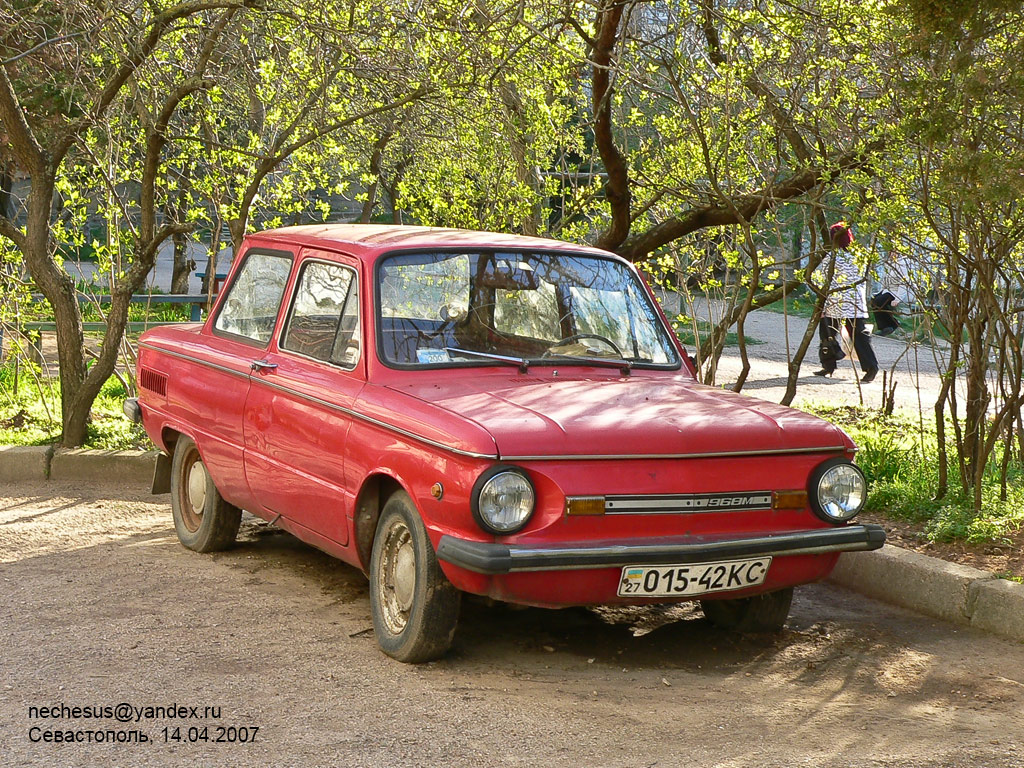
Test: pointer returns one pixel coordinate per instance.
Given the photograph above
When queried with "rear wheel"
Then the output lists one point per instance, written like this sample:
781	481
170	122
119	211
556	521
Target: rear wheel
415	608
203	521
766	612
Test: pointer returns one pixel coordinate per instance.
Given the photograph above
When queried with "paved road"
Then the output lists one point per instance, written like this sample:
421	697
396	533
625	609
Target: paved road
100	605
914	366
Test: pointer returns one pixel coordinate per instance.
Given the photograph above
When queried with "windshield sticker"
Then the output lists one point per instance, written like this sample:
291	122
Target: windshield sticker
432	356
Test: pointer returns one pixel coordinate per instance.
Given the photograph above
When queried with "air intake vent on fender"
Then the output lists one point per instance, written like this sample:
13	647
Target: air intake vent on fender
153	381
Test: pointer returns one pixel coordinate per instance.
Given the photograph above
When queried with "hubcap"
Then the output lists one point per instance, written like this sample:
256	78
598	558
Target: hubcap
405	576
197	487
192	493
396	582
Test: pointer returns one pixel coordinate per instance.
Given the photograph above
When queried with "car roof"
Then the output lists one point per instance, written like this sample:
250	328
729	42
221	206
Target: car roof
367	241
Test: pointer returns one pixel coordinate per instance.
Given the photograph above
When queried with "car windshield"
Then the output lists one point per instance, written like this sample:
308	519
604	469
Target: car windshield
500	307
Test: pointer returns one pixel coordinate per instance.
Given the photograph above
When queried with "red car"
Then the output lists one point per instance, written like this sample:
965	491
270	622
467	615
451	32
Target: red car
457	411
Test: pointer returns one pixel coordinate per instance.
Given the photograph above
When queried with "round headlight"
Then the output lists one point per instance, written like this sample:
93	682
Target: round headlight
837	491
502	500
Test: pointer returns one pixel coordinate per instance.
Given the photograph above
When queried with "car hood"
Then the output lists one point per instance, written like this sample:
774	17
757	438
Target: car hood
644	414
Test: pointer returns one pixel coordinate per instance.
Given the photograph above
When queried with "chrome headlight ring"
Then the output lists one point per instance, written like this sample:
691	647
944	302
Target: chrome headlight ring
837	490
503	499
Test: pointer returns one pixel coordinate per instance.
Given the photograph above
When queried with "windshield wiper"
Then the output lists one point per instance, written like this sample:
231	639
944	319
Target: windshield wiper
522	363
600	362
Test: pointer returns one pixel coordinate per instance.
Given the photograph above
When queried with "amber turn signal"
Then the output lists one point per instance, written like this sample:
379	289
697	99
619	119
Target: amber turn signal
584	505
789	500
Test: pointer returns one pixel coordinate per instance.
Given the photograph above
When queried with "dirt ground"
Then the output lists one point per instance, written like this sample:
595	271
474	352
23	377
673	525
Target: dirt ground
101	606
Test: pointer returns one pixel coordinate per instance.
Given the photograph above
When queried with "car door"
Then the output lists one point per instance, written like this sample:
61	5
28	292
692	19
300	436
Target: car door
298	412
239	333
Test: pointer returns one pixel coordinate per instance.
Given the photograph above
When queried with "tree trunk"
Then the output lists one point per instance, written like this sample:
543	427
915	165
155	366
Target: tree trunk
755	279
616	190
183	265
176	211
376	169
6	185
801	352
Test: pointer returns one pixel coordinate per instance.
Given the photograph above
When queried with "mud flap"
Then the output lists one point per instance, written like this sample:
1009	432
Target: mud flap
162	474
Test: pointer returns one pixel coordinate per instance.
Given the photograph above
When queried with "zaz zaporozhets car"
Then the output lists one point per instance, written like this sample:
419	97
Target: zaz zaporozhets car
455	411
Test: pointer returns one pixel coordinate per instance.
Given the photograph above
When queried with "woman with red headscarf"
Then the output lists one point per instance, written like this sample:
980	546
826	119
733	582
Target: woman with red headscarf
845	304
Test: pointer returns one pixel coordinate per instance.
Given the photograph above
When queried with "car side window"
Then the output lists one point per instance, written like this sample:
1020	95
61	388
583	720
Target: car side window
324	320
254	298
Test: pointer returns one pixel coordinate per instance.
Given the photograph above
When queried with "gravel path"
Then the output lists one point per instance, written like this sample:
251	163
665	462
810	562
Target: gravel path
912	365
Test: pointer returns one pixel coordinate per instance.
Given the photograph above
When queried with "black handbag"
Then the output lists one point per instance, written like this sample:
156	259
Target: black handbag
831	352
881	306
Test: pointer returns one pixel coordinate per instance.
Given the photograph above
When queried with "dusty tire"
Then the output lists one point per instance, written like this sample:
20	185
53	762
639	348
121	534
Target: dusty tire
766	612
415	608
203	521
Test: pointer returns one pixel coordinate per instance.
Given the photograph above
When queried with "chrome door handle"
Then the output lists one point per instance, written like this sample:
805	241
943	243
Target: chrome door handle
262	365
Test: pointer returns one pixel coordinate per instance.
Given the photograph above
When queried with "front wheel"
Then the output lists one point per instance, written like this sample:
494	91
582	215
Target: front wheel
415	608
203	521
766	612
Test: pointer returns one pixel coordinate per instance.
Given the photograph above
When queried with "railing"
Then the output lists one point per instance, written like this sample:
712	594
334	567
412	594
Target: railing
32	331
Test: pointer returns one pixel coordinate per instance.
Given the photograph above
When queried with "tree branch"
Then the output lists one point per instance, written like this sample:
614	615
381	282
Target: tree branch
12	233
617	188
155	142
782	120
158	27
20	135
55	40
270	163
744	207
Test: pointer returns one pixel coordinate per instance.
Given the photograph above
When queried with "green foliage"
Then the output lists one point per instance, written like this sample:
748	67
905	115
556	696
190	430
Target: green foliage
30	412
684	329
481	116
899	458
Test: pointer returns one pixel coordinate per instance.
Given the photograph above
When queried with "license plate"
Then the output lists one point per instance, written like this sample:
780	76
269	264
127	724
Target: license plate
686	580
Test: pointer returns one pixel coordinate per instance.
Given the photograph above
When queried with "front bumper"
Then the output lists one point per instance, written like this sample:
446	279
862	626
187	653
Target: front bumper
490	558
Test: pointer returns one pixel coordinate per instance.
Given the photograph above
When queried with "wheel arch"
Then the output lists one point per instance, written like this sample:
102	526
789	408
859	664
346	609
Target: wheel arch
373	494
169	438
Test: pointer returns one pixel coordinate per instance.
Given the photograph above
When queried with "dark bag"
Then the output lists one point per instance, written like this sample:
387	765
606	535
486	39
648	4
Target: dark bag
881	306
830	352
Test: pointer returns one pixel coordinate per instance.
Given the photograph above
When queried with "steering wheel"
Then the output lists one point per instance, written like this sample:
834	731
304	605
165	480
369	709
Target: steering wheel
578	336
448	319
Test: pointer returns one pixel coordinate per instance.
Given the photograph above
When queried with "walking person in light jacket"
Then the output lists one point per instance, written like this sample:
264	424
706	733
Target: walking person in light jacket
845	304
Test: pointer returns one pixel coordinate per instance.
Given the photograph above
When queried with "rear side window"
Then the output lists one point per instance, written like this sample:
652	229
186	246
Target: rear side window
254	298
324	320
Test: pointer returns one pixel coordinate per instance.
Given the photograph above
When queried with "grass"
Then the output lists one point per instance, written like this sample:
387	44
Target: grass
919	332
155	312
30	414
1010	576
901	465
684	330
794	305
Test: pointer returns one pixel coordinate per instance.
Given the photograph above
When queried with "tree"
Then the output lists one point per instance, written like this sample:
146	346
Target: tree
952	201
92	83
711	117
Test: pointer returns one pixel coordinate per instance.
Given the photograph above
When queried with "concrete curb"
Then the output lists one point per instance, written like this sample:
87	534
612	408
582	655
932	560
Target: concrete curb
19	463
936	588
103	467
79	465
